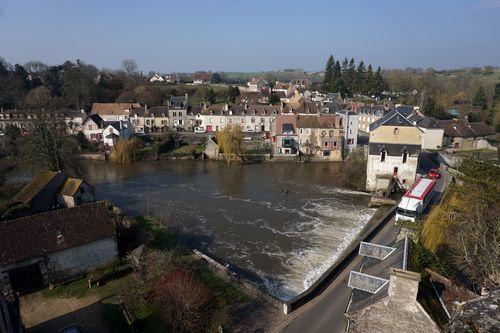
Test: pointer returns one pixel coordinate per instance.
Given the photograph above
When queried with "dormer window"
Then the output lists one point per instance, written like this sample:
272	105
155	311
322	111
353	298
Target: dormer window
275	112
396	131
254	111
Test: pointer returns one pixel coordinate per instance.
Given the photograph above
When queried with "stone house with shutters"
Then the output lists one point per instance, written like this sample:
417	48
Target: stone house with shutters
321	136
55	246
149	120
394	148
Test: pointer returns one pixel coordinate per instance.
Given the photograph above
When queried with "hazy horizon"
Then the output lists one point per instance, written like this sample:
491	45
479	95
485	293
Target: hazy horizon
260	36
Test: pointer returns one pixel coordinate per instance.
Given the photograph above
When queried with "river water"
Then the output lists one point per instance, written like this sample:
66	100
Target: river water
282	224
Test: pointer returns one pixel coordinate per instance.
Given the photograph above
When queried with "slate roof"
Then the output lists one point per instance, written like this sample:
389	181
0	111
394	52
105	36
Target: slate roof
96	119
397	117
429	123
158	111
41	234
35	186
113	108
178	102
465	129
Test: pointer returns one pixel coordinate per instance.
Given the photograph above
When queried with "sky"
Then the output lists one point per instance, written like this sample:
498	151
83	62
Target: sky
236	35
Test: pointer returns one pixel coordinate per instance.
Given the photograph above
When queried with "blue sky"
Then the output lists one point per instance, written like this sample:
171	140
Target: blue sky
234	35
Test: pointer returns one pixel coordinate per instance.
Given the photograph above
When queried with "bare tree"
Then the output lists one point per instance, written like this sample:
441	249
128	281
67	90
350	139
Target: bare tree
183	302
130	66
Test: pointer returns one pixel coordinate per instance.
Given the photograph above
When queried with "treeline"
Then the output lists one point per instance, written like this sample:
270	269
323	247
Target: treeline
77	85
349	78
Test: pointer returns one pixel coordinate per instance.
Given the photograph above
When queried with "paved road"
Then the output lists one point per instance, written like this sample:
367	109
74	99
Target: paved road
326	312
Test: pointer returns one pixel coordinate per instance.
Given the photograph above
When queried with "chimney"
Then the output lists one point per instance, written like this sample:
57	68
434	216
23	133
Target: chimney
226	107
187	97
145	107
121	125
282	106
403	287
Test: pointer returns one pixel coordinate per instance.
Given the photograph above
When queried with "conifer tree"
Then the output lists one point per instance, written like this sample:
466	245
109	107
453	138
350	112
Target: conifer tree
379	81
328	80
480	99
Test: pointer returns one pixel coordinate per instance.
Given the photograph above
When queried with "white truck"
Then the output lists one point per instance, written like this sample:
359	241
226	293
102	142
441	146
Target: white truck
415	200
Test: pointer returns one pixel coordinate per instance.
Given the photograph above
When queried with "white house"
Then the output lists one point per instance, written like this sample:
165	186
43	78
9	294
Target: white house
114	111
433	133
156	78
393	150
115	130
350	121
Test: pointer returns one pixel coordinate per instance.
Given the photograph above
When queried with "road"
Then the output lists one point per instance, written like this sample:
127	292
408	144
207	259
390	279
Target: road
326	312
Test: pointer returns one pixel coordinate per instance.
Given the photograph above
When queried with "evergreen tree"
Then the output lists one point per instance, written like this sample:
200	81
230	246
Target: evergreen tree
479	99
345	67
350	76
379	81
360	77
328	80
369	81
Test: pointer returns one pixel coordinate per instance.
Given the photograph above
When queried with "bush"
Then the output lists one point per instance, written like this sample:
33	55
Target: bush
354	169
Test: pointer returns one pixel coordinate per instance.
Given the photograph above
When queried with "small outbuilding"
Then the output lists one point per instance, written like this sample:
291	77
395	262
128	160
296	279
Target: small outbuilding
55	246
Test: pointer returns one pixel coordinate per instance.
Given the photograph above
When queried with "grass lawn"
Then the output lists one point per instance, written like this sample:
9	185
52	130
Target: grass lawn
188	150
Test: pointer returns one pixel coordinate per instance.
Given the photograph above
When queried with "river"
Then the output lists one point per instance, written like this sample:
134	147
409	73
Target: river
283	224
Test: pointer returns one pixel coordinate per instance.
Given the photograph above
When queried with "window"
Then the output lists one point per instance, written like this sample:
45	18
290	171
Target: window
252	120
301	131
262	120
256	127
350	131
335	143
175	114
350	141
396	131
326	144
222	120
395	171
230	120
382	156
242	120
180	114
308	131
405	157
210	120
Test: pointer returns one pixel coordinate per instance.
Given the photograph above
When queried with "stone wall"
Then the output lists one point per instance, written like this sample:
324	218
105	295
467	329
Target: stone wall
376	168
74	261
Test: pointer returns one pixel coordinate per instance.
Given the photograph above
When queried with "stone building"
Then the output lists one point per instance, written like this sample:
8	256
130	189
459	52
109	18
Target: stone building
321	136
55	246
394	148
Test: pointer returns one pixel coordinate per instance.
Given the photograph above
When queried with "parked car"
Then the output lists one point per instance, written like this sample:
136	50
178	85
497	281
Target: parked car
199	129
433	174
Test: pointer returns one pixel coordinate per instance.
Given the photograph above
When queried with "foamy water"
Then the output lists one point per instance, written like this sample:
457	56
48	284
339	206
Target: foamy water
282	224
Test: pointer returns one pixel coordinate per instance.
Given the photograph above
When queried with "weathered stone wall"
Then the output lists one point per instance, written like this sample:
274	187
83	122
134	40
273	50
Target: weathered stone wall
71	262
406	171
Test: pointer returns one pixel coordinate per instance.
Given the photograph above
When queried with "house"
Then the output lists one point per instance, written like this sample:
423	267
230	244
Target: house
460	134
384	293
156	78
285	138
212	148
178	111
92	128
202	77
74	120
257	85
432	133
250	118
74	192
172	78
116	130
369	115
51	189
300	82
320	136
41	194
55	246
149	120
394	147
113	111
350	121
23	119
284	90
